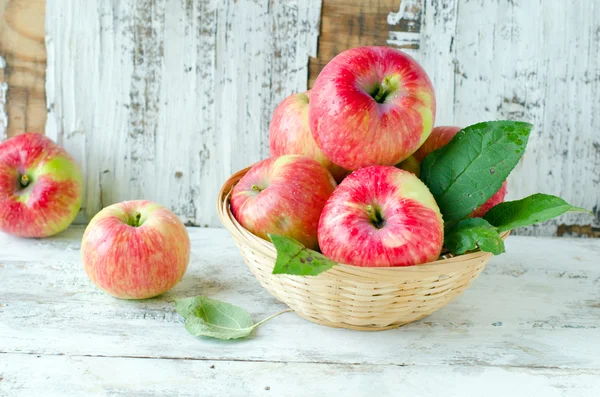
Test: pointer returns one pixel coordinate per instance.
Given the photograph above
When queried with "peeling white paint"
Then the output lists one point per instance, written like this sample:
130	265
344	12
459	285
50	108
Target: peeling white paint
409	19
3	114
499	62
170	98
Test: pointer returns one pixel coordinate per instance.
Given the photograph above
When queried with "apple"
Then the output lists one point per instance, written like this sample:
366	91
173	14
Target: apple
381	216
283	195
40	186
135	249
289	133
440	137
370	106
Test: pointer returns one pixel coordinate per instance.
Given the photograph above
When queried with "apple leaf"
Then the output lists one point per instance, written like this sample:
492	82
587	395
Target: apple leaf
295	259
216	319
470	234
533	209
467	171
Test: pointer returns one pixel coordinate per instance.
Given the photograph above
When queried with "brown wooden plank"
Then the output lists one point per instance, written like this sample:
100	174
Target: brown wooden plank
22	32
350	23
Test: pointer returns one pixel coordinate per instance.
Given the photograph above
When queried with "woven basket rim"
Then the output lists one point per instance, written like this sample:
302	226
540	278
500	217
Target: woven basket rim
267	248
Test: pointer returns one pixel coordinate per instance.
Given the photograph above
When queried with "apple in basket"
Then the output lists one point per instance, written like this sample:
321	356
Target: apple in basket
381	216
283	195
440	137
40	186
371	105
135	249
289	133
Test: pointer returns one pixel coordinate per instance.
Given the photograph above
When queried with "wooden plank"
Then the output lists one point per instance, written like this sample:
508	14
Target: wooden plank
536	306
28	375
508	61
22	67
350	23
500	63
165	100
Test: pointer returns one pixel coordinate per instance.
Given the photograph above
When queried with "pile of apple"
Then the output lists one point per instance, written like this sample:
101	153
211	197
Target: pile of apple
366	124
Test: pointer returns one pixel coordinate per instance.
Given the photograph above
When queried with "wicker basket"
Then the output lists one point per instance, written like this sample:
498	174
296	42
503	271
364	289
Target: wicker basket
355	297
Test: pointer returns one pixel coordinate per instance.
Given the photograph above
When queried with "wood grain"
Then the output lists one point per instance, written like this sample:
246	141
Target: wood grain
22	67
528	320
28	375
523	311
171	121
350	23
509	62
175	96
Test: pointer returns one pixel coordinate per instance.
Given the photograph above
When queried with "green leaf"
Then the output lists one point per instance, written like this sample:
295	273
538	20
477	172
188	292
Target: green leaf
533	209
470	234
216	319
467	171
294	258
213	318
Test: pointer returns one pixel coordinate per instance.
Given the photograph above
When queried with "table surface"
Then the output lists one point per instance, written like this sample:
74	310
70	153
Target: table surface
529	325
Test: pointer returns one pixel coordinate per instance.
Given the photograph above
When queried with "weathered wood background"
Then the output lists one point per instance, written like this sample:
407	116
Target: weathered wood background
165	99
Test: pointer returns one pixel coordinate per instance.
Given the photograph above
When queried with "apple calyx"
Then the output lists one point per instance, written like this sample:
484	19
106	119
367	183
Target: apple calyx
256	188
375	216
135	221
24	181
388	86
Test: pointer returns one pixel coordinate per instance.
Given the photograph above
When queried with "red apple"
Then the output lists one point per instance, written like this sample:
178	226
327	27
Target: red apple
283	195
40	186
289	133
381	216
440	137
371	105
135	249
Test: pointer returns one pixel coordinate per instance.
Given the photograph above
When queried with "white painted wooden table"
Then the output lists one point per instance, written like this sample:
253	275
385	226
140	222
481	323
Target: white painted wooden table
529	326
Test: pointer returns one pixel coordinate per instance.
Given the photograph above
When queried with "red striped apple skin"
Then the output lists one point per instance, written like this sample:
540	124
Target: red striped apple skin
371	105
40	186
132	259
283	195
440	136
289	133
496	199
381	216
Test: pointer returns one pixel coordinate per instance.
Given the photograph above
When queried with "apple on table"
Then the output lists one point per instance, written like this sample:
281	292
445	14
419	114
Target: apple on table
41	186
135	249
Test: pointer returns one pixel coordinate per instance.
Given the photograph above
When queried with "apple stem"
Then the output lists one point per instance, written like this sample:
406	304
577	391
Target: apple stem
138	216
256	188
24	180
375	217
383	90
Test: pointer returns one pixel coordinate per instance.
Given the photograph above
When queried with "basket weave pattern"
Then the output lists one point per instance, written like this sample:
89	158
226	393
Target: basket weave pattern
355	297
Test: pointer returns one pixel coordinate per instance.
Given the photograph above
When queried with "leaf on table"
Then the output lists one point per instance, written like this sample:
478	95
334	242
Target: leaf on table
470	234
528	211
467	171
214	318
295	259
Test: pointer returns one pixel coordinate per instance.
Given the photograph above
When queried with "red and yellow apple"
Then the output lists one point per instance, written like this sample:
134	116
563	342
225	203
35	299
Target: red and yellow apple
440	137
40	186
371	105
283	195
289	133
135	249
381	216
